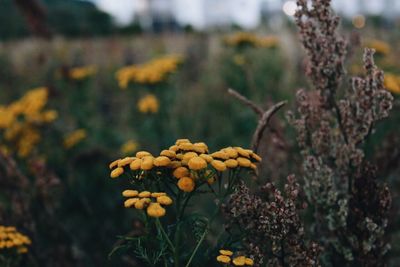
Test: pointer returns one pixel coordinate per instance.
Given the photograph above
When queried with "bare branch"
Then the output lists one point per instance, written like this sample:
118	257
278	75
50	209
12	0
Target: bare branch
263	123
259	111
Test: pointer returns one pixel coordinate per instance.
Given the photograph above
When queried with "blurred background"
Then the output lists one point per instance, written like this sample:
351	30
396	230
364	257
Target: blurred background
85	82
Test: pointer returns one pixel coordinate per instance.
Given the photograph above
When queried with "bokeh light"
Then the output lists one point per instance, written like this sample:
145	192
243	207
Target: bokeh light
359	21
289	8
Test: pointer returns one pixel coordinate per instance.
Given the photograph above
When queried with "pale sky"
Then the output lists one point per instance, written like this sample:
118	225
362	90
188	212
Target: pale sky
123	10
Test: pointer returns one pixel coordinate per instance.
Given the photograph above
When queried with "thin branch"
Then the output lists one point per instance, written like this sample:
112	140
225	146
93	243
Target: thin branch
246	101
263	123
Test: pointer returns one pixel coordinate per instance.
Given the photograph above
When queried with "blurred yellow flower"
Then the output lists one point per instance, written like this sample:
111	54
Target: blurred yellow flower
392	83
241	39
129	146
380	47
152	72
80	73
11	239
148	104
21	120
74	138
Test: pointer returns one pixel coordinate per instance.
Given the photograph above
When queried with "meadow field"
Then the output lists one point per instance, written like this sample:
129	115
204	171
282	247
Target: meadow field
131	151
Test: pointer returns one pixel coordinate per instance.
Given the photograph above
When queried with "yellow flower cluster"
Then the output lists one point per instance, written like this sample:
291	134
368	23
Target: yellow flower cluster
129	147
188	162
152	72
10	238
154	202
148	104
392	83
80	73
74	138
249	39
380	47
20	120
225	257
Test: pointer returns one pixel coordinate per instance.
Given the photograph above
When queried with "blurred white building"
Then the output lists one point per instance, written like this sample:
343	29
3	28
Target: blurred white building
201	14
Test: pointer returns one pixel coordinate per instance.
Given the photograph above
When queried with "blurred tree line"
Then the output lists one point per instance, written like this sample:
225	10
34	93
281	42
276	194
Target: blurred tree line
70	18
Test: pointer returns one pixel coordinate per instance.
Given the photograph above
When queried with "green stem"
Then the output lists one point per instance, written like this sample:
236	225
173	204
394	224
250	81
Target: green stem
159	226
197	247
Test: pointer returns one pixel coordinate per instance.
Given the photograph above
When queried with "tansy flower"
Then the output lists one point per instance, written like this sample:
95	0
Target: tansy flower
158	194
226	252
130	202
180	172
164	200
168	153
130	193
155	210
231	163
186	184
135	164
162	161
142	203
125	161
144	194
148	104
243	162
197	163
239	261
10	238
223	259
218	165
117	172
147	163
141	154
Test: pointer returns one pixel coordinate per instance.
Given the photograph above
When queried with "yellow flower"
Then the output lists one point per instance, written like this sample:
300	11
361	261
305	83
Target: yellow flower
144	194
197	163
180	172
152	72
148	104
130	202
135	164
129	147
231	163
218	165
223	259
243	162
158	194
21	119
249	262
142	203
206	157
168	153
242	39
81	73
117	172
239	261
155	210
392	83
74	138
130	193
186	184
10	238
226	252
162	161
142	154
380	47
147	163
164	200
125	161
